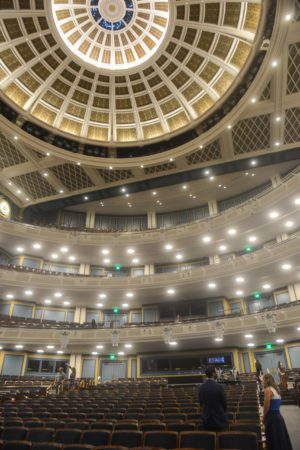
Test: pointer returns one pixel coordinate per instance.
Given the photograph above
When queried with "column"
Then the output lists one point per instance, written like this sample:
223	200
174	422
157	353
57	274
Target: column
82	318
76	361
90	219
213	207
226	306
151	219
84	269
294	291
77	314
149	269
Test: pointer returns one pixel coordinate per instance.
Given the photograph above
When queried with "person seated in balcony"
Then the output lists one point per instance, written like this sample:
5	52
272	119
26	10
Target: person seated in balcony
282	375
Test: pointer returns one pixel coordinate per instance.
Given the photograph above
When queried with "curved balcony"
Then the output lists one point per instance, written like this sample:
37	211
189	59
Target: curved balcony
283	317
241	213
268	256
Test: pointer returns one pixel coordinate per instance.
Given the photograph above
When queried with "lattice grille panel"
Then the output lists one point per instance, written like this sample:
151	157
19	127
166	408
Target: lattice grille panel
35	185
160	168
266	94
292	127
251	134
293	79
297	11
72	177
209	153
110	176
9	154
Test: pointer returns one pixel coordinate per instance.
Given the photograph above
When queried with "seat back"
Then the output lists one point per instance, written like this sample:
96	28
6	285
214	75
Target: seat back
41	434
163	439
16	445
238	439
67	436
128	438
95	437
198	439
14	433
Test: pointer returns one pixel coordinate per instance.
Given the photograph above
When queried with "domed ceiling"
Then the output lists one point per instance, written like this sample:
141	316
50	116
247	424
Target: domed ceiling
120	72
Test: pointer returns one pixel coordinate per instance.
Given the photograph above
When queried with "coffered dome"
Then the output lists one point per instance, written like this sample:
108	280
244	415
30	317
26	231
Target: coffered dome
118	72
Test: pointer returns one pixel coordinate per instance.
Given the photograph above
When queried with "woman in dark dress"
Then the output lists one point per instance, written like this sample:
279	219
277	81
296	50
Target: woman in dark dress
276	432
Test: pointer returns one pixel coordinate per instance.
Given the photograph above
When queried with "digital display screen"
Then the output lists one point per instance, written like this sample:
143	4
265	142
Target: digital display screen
216	360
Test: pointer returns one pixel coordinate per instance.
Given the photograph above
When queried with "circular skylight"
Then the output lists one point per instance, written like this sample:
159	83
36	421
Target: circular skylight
112	34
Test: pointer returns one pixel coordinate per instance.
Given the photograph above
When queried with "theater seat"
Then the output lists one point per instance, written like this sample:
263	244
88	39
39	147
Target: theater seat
238	439
198	439
163	439
128	438
14	434
41	434
95	437
67	436
16	445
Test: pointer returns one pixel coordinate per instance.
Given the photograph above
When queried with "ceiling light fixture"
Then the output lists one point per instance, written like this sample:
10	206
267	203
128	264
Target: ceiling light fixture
251	344
206	239
64	249
36	246
231	231
102	295
248	336
222	248
252	239
169	247
173	343
47	301
171	291
128	345
280	341
135	261
57	294
266	286
289	224
39	350
10	296
19	346
240	279
178	256
130	251
50	347
239	293
28	292
274	214
20	249
100	305
99	346
286	266
54	256
125	305
129	294
66	303
212	285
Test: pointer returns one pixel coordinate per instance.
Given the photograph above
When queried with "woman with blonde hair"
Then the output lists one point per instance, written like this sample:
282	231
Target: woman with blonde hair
276	432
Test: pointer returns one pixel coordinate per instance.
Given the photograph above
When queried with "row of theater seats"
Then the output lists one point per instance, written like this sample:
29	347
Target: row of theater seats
131	439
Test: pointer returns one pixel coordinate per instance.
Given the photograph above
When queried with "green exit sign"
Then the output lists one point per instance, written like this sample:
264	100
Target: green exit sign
118	266
116	310
269	346
112	356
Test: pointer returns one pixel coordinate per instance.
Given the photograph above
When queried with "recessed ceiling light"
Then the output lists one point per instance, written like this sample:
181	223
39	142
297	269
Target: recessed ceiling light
94	353
50	347
9	296
47	301
184	187
100	305
45	174
206	239
78	164
86	197
250	344
110	167
212	285
231	231
130	251
64	249
169	247
129	294
127	195
105	251
28	292
66	303
135	261
20	249
266	286
277	143
239	293
278	119
123	190
72	258
253	162
19	346
248	336
57	294
173	343
102	295
18	191
39	350
218	339
279	341
178	256
1	348
253	100
207	172
36	246
106	261
142	166
297	201
222	248
229	127
252	239
128	345
171	159
194	196
240	279
16	138
154	193
298	328
288	17
99	346
54	256
289	224
274	63
60	352
273	214
246	173
171	291
61	191
211	178
121	353
47	154
286	266
125	305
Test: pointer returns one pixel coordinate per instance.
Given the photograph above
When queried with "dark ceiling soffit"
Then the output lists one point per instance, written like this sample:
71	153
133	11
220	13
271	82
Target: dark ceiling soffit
169	180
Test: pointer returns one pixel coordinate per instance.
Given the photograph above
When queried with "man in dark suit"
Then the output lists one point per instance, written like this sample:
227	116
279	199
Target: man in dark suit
213	402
